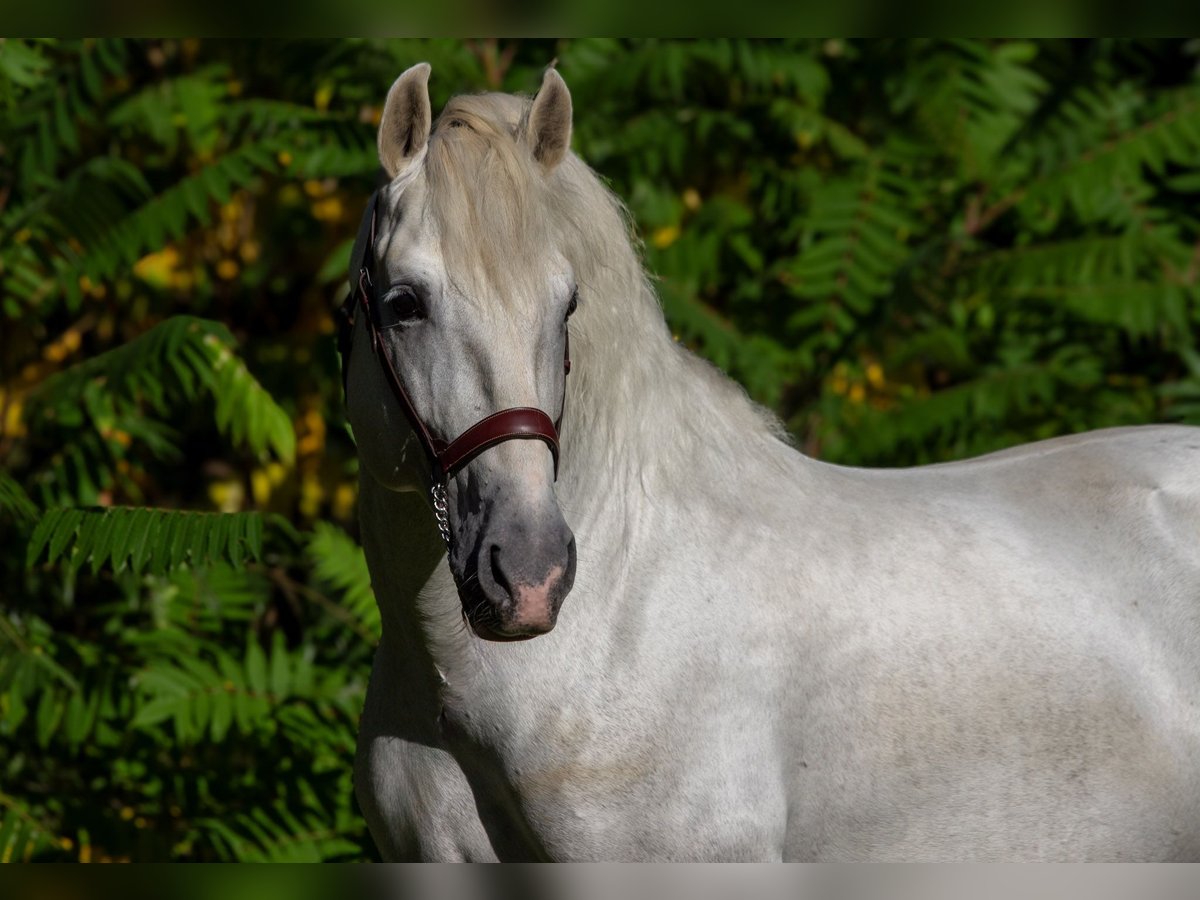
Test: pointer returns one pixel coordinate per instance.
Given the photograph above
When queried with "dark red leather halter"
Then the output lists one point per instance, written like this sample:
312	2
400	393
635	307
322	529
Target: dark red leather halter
446	459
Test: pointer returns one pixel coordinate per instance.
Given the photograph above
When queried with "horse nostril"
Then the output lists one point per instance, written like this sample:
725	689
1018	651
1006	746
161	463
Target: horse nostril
498	571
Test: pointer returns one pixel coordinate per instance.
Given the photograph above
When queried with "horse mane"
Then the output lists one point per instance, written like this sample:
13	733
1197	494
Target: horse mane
636	395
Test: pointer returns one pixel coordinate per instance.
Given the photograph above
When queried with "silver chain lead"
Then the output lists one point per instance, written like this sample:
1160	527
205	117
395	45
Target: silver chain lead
438	495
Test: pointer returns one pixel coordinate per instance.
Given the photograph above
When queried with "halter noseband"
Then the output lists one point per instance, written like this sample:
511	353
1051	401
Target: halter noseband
445	459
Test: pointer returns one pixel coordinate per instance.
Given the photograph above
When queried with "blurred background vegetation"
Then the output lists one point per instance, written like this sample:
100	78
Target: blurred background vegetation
911	250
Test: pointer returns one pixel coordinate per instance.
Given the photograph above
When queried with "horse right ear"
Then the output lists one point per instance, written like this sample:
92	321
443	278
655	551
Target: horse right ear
547	125
404	126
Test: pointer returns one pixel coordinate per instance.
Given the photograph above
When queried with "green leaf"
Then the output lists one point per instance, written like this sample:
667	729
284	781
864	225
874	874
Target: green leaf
162	540
256	667
281	676
15	503
156	711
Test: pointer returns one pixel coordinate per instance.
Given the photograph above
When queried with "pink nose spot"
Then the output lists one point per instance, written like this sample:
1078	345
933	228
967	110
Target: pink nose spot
534	607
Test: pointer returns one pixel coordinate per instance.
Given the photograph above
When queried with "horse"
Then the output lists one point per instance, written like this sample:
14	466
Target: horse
651	629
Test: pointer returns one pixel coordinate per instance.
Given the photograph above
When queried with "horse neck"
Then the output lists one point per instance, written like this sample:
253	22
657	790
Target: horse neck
648	423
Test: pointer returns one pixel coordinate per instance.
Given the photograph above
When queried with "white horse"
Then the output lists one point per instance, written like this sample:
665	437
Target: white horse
762	656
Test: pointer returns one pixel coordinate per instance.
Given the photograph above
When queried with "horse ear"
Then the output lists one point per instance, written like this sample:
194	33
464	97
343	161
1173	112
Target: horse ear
404	126
548	125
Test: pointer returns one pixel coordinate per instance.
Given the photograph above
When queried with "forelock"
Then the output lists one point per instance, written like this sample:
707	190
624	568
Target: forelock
487	197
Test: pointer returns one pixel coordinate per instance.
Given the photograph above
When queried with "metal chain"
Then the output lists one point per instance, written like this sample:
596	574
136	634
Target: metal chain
438	495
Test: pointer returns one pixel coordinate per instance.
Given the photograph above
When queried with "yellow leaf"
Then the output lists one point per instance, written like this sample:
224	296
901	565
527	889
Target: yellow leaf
344	497
311	495
156	268
260	487
232	211
665	237
327	210
227	496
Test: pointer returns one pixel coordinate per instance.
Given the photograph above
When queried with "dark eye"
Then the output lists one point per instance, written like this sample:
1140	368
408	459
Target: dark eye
399	306
574	304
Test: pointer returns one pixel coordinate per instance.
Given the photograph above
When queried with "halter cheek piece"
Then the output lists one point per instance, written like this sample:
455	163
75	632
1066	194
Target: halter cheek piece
445	459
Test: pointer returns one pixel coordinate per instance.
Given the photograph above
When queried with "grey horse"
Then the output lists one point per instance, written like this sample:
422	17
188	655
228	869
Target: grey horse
697	643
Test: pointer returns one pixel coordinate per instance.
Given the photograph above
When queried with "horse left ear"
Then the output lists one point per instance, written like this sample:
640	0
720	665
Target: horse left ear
548	123
404	127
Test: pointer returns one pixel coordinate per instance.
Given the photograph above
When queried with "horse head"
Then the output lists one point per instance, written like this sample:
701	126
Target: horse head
465	298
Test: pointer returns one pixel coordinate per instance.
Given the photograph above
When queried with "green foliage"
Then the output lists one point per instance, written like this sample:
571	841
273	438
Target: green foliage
912	250
21	835
139	539
339	564
174	363
15	503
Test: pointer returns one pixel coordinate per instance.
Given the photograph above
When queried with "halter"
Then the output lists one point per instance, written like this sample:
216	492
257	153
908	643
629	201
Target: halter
446	459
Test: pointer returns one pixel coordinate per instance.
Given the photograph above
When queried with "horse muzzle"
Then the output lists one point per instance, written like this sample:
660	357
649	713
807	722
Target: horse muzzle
515	587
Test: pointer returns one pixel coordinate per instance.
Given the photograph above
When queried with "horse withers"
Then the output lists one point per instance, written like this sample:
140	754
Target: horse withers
738	652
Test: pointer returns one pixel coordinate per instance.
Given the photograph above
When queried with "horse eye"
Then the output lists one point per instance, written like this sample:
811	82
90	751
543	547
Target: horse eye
400	306
573	305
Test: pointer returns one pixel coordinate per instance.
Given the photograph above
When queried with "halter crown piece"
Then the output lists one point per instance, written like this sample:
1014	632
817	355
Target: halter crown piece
445	459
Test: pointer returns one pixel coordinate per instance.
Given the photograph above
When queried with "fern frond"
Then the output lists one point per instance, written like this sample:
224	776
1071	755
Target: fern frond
1140	309
1093	258
22	833
339	158
207	695
208	598
46	125
81	206
145	540
283	835
202	697
15	503
23	66
339	563
856	239
972	97
189	103
1087	182
175	362
29	673
170	213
